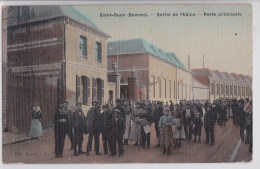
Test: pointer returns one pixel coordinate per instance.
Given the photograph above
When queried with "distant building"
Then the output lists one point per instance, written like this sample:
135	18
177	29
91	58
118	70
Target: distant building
223	84
200	91
148	72
55	53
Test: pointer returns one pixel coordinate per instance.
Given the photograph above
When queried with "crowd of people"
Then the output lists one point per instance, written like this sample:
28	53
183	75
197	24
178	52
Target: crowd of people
132	120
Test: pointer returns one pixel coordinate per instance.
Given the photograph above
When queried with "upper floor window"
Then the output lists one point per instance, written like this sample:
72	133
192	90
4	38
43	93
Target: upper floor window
83	46
98	51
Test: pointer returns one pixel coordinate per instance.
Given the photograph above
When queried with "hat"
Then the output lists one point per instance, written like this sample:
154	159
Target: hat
126	100
118	100
116	110
94	102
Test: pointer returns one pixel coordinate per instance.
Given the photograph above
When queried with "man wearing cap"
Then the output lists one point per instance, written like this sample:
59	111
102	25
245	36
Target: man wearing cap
60	123
121	109
209	123
79	127
93	123
69	129
117	131
106	118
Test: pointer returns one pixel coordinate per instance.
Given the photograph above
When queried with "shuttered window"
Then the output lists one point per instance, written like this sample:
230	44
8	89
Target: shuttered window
86	91
77	88
94	89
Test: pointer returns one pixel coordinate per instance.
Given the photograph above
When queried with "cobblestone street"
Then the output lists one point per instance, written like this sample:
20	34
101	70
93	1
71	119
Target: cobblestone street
42	150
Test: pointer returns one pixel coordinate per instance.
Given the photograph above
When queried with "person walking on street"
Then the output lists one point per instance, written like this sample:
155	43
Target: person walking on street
93	123
69	129
209	123
78	121
60	123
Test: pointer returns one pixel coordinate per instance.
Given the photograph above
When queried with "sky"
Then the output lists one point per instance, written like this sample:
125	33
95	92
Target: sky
225	41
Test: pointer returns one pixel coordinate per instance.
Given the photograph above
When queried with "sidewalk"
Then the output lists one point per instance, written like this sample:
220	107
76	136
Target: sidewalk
13	138
9	138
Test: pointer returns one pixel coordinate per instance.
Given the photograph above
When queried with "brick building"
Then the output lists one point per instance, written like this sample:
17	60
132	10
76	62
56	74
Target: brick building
223	84
54	53
147	71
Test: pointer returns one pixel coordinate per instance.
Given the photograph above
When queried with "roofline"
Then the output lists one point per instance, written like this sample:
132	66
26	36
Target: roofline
153	56
106	36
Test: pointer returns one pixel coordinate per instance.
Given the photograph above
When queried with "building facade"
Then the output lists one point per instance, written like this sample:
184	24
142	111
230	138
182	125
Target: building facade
224	85
156	72
199	91
54	54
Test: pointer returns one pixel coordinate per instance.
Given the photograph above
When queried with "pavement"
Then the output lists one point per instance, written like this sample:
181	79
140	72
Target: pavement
42	150
13	138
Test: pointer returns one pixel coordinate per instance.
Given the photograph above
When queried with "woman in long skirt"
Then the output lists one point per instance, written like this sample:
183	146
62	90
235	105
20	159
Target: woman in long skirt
179	133
36	127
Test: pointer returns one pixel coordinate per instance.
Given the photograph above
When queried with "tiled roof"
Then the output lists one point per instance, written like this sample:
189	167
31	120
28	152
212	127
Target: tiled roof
142	46
46	12
203	76
197	84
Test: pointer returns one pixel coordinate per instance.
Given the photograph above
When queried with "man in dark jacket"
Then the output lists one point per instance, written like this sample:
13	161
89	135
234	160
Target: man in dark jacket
69	129
189	119
117	131
235	112
157	115
119	106
60	124
209	123
106	123
241	118
93	123
171	106
79	127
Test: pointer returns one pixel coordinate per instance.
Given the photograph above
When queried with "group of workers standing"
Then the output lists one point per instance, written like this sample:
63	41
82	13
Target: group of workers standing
132	120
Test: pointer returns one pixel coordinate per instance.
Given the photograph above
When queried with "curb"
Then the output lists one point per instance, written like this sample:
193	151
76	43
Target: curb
234	153
19	141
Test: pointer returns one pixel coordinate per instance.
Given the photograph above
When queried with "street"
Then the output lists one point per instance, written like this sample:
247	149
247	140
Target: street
42	150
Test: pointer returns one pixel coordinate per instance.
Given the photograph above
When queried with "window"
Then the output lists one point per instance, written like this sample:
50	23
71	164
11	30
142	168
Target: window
242	90
246	91
83	46
222	89
174	90
239	90
165	91
160	88
153	86
212	88
98	52
231	90
226	89
217	89
86	90
235	90
170	87
178	90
